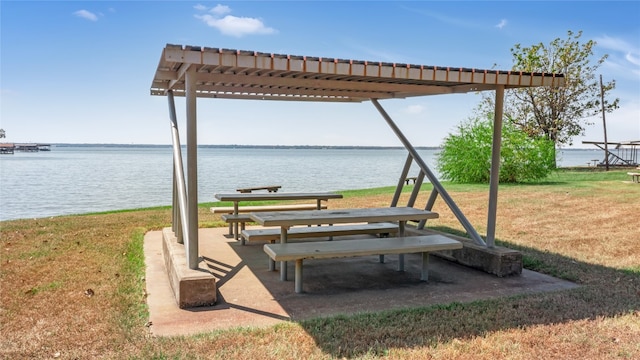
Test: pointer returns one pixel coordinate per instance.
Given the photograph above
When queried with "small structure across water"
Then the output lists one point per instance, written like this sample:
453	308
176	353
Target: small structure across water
624	153
7	148
10	148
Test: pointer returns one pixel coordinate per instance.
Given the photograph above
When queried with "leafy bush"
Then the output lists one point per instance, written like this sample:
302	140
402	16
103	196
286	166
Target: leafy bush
466	156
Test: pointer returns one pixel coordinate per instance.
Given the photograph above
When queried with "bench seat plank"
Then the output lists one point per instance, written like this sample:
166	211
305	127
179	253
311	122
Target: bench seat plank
258	208
365	247
269	234
230	218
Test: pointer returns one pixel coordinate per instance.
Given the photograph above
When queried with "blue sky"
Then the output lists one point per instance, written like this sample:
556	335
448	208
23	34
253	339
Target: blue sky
80	72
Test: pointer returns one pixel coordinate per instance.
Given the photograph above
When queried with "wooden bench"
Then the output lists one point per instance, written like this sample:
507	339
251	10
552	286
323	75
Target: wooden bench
364	247
242	217
635	177
272	234
270	188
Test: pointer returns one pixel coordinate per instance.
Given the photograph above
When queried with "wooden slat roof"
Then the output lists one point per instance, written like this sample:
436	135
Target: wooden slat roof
238	74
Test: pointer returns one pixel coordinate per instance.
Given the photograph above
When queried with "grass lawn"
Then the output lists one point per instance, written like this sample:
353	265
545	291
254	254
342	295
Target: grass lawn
72	287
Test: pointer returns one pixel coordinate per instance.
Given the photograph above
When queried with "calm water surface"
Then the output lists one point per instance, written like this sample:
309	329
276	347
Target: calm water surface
81	179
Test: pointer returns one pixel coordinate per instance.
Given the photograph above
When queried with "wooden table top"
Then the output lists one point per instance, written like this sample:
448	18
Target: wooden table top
318	217
277	196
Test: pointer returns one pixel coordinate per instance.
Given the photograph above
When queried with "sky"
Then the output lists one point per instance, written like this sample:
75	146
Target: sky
80	72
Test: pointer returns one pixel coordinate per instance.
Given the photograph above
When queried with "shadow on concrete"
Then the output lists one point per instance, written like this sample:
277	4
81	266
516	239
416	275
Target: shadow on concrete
357	306
603	292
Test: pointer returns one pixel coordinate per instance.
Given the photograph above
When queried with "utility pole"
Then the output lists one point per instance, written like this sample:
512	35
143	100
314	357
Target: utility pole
604	123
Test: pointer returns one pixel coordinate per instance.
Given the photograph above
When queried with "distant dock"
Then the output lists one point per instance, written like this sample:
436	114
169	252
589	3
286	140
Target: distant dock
10	148
7	148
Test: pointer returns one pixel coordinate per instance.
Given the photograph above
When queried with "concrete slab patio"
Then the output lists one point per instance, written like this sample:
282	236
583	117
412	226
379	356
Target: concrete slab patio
249	295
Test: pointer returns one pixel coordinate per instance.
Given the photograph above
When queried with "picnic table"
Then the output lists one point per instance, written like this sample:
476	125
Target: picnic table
237	198
411	178
269	188
286	219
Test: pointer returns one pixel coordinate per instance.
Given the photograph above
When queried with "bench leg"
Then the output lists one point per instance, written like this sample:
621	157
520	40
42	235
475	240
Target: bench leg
401	225
235	230
230	229
283	264
283	271
298	276
242	227
272	263
424	276
381	259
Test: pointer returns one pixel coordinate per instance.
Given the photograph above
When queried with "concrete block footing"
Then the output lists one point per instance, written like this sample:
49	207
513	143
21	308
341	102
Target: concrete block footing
498	261
191	287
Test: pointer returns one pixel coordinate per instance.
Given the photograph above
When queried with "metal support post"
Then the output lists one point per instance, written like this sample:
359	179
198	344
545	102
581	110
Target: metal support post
416	190
432	178
192	166
403	176
495	167
180	192
174	198
429	206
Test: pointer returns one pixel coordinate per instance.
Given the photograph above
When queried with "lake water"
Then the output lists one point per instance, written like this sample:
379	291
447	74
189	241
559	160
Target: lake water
81	179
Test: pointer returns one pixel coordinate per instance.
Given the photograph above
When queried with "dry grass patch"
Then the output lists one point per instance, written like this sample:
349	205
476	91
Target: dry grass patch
67	284
585	231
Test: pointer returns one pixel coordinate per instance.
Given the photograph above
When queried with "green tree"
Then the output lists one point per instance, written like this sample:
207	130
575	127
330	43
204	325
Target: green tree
466	155
556	113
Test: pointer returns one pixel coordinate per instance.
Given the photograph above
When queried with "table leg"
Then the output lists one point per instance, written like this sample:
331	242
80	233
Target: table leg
401	225
235	224
283	264
298	276
401	256
242	227
424	275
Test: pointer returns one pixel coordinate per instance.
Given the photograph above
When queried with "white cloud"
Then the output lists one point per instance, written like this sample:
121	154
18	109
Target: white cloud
86	15
414	109
616	44
632	59
625	57
200	7
462	22
502	24
220	10
236	26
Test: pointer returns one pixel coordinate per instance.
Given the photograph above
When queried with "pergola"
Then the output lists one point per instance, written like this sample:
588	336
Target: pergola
197	72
